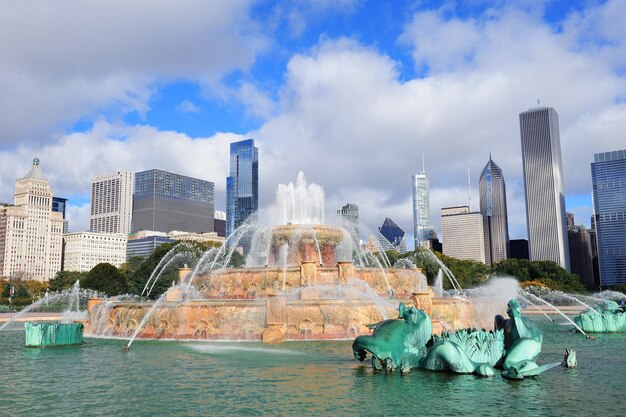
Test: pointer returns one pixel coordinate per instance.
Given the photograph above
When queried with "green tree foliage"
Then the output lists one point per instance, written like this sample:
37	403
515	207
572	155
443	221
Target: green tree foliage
64	280
105	278
421	259
237	260
547	272
6	289
139	273
468	273
21	291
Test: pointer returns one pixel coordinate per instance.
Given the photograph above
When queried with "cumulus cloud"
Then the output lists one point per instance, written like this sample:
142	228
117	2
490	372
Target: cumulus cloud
187	106
348	119
67	60
75	159
345	103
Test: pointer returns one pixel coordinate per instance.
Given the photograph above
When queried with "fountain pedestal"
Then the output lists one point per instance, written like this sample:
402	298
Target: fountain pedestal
174	294
275	319
308	273
345	271
184	274
423	300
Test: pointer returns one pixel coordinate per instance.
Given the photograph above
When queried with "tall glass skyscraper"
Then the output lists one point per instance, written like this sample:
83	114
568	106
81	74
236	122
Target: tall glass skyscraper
242	186
543	184
492	191
608	174
348	218
422	230
164	201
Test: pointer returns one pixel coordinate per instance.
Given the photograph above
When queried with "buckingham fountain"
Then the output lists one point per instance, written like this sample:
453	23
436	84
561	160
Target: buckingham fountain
303	280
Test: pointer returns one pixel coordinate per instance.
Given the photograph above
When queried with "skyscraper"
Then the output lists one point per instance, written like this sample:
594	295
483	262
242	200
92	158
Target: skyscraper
242	186
463	233
59	204
422	230
492	191
543	184
164	201
391	236
608	175
31	234
348	218
112	202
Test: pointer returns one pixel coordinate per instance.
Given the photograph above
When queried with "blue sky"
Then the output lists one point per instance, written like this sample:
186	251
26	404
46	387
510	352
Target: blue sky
351	92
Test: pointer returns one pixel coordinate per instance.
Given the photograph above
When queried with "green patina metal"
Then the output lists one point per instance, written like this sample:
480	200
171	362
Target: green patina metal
53	334
404	343
606	317
396	344
465	351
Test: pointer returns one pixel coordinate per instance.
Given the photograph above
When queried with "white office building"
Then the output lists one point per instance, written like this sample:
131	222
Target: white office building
84	250
543	184
31	234
112	202
463	233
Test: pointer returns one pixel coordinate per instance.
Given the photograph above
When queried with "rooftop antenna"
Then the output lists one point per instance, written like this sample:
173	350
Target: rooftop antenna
469	191
538	102
423	164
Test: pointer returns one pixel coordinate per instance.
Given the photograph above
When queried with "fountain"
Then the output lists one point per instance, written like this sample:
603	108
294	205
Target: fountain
406	343
607	317
303	279
67	332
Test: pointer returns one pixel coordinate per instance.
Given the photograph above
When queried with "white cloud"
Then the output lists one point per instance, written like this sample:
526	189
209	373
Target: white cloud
349	120
75	159
78	217
187	106
68	60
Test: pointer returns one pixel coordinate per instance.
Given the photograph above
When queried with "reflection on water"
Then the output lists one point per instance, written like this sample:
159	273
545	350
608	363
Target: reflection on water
296	378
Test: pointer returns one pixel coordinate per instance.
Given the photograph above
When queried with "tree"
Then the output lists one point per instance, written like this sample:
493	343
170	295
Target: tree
64	280
137	279
21	291
105	278
546	272
237	260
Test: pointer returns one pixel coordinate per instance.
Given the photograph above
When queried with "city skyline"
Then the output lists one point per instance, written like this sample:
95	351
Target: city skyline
333	89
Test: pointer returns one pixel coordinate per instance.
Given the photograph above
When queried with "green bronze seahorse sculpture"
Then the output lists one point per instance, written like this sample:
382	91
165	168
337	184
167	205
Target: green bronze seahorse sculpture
522	342
396	344
606	317
402	344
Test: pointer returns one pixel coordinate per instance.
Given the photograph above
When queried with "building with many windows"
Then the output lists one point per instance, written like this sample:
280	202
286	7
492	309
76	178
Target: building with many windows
391	236
543	185
492	190
142	246
31	234
164	201
84	250
423	232
348	218
219	223
59	205
463	233
608	175
242	186
112	202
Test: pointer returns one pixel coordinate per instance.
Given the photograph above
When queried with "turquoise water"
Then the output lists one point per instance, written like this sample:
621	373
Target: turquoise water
293	379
